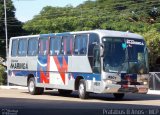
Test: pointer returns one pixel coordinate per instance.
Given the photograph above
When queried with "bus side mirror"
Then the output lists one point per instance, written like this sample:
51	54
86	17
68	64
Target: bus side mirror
101	49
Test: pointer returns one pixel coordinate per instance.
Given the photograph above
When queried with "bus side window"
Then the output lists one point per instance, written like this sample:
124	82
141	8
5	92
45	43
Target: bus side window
55	45
22	47
32	46
43	46
14	47
80	47
76	46
93	40
67	45
52	50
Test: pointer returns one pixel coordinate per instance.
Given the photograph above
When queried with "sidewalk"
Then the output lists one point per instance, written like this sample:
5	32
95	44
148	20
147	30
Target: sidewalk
156	92
12	87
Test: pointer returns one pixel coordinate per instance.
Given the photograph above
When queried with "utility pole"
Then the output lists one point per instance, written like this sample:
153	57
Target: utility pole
5	13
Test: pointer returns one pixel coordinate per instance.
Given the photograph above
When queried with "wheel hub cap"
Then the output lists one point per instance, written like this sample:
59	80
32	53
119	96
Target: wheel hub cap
31	86
81	89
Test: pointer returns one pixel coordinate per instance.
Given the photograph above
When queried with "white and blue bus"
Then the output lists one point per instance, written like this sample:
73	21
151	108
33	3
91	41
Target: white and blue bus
96	61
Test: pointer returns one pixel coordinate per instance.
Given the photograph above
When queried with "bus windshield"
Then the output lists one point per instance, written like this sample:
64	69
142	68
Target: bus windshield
125	55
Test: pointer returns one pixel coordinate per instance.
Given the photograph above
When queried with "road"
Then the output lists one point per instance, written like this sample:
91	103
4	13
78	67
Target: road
13	101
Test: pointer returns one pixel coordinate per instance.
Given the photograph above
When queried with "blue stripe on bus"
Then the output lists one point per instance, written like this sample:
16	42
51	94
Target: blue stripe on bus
86	76
21	72
41	66
42	59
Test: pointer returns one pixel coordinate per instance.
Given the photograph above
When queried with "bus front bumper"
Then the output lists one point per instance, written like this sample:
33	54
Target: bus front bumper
114	88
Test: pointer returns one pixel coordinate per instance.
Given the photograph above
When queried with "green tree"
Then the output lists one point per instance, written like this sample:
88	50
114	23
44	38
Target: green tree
153	42
2	75
138	16
14	26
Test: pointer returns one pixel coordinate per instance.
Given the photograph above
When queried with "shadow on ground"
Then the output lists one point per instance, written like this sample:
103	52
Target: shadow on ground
106	97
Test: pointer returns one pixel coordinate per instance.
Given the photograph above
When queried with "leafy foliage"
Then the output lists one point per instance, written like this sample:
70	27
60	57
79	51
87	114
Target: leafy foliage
139	16
153	41
14	26
3	77
132	15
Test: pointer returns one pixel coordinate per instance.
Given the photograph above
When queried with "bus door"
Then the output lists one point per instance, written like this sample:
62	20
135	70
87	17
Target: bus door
96	60
96	69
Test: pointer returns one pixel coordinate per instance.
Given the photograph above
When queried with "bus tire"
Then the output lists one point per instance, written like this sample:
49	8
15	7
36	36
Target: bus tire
83	94
118	95
64	92
33	90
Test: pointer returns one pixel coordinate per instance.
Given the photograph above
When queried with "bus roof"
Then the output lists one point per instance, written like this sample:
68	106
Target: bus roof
33	36
112	33
101	33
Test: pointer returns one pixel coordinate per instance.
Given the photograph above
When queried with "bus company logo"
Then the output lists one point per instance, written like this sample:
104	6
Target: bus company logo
134	42
19	65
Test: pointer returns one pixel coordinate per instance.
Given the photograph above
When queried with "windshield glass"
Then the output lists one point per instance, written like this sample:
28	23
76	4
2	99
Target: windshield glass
125	55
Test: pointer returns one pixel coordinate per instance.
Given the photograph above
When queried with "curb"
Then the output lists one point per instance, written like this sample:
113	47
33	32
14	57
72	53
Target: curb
155	92
12	87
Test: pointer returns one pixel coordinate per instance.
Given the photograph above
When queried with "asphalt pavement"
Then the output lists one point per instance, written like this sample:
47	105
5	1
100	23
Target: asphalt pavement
19	101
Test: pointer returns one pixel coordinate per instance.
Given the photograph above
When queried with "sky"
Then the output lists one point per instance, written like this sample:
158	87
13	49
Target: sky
27	9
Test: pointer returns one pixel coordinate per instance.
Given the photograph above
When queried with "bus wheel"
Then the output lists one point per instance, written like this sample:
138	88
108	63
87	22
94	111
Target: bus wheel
64	92
33	89
83	94
118	95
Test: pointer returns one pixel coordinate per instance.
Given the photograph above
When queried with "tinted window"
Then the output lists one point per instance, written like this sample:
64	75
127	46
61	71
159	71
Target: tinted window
22	47
14	47
67	45
44	45
55	45
93	40
81	44
114	54
96	60
32	46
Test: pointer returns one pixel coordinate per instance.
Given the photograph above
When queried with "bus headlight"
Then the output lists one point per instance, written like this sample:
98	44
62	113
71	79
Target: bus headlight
108	81
145	83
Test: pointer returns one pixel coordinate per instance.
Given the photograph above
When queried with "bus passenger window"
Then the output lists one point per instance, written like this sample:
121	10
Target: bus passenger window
55	45
93	40
22	47
67	45
32	46
80	46
14	47
43	47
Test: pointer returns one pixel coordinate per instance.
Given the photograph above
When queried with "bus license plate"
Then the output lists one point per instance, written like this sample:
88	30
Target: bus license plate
142	89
